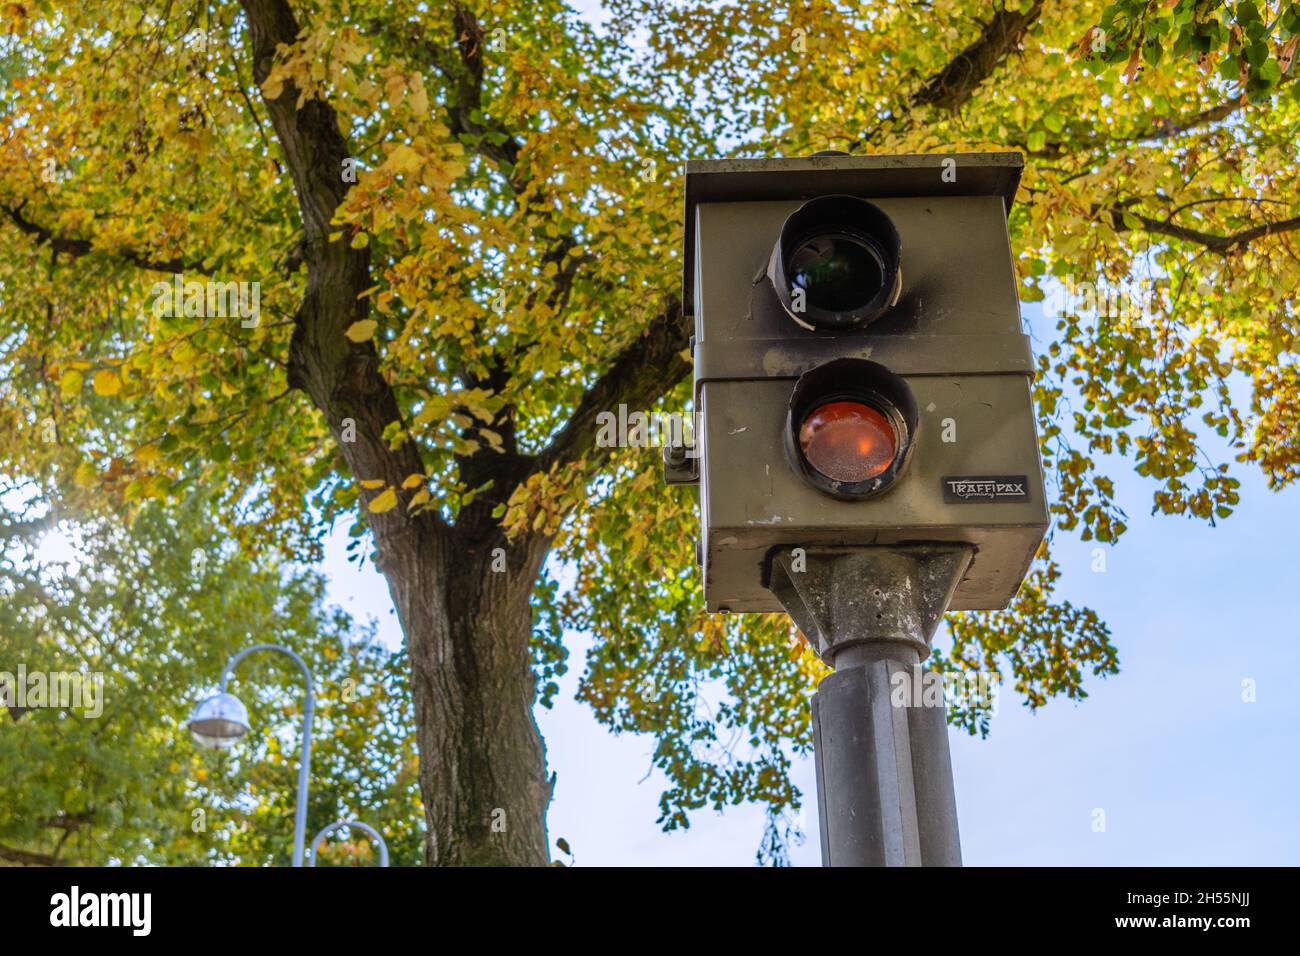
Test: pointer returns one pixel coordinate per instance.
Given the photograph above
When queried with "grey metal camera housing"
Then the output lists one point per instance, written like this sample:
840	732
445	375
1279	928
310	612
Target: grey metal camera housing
953	334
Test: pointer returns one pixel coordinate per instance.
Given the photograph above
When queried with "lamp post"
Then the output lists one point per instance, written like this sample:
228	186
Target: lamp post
338	825
222	719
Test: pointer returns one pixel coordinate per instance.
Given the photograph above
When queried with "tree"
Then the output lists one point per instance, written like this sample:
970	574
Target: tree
148	614
463	225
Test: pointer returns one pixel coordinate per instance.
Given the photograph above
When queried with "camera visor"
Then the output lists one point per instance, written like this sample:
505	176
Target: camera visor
835	265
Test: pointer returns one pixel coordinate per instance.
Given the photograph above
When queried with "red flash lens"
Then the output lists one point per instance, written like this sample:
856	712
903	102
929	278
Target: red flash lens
848	441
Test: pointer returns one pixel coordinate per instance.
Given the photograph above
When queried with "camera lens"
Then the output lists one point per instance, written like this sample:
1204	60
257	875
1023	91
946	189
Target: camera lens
838	272
850	428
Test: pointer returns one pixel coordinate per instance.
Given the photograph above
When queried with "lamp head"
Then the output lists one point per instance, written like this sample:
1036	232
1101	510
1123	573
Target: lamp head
219	721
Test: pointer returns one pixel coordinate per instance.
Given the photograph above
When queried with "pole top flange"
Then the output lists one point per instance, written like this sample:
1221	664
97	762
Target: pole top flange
845	598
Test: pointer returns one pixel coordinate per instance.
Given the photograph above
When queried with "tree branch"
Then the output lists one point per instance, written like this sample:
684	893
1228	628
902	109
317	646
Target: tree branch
27	858
645	370
341	377
468	95
1215	243
463	73
1161	128
957	82
953	86
75	248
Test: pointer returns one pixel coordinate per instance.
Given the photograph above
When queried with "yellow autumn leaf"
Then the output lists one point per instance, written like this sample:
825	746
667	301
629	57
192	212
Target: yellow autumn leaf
395	90
86	474
419	98
404	159
360	240
384	502
372	483
107	383
70	383
412	481
417	499
360	331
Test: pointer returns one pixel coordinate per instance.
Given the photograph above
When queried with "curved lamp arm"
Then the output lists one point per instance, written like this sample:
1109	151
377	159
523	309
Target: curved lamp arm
304	763
364	827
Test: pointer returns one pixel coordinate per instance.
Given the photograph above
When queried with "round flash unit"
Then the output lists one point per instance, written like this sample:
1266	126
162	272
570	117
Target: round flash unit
850	428
848	441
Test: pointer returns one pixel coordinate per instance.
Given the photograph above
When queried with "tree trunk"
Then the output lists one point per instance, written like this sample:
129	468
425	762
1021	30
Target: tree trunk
468	628
467	623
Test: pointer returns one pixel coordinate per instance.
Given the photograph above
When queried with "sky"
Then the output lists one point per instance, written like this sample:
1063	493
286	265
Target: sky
1162	764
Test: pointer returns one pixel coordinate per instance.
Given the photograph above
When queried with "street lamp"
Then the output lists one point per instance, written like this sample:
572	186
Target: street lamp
338	825
222	719
219	721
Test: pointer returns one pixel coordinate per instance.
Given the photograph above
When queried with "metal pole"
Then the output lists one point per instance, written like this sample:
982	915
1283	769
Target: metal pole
304	761
338	824
884	772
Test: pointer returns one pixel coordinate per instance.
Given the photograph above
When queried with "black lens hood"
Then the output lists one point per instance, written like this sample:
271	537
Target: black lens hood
852	217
